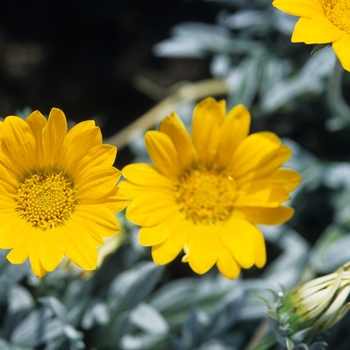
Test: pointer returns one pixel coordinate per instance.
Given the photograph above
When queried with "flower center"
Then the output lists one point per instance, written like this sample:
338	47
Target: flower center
205	196
46	200
338	12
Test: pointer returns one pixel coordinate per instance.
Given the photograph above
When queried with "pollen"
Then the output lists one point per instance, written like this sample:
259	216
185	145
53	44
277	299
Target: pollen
338	12
46	200
205	196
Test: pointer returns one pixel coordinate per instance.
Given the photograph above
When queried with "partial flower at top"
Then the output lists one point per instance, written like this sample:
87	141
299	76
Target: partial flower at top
206	194
58	192
321	22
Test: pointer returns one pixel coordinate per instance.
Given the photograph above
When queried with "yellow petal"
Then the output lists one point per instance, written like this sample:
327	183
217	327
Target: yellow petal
99	218
14	231
97	156
150	236
271	197
53	135
77	144
206	127
37	123
19	254
174	128
259	247
151	208
227	265
268	165
341	48
236	235
252	153
146	175
234	130
203	245
79	247
18	144
167	251
34	254
50	249
285	178
163	153
302	8
317	30
266	216
115	201
98	182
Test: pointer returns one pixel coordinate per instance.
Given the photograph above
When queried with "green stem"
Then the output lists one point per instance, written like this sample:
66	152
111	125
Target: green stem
336	102
266	343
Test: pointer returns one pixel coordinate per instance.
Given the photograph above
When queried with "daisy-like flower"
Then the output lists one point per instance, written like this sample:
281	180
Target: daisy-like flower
321	22
205	194
58	192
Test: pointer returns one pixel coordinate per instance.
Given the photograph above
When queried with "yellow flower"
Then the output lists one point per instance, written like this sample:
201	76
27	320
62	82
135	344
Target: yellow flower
58	191
321	22
204	194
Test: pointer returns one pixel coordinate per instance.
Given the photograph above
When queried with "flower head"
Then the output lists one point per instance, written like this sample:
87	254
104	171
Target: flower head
305	312
321	22
204	194
58	192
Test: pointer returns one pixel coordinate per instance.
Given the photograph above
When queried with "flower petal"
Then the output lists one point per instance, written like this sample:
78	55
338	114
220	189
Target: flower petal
100	219
341	48
271	197
97	182
234	130
97	156
267	166
150	236
266	216
50	252
203	245
206	128
252	153
146	175
174	128
163	153
79	247
237	236
37	123
18	144
14	231
53	135
317	30
151	208
77	143
285	178
19	254
302	8
227	265
167	251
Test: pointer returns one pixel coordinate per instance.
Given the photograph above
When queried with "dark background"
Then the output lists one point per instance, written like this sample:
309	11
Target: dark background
82	56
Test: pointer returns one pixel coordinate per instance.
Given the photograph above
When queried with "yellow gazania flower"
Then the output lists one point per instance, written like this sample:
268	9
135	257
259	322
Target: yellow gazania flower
321	22
58	191
205	194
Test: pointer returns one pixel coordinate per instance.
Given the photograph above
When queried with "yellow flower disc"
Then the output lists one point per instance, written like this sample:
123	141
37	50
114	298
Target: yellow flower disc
205	197
338	12
46	200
